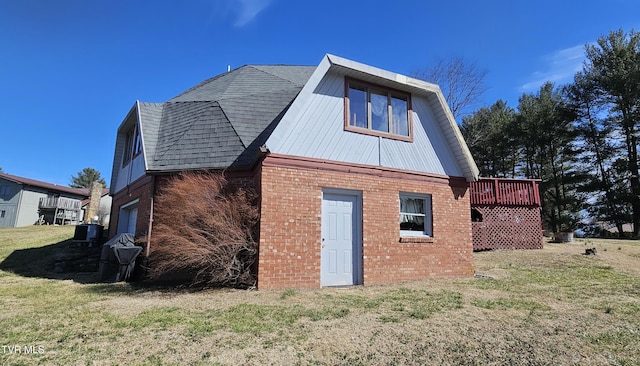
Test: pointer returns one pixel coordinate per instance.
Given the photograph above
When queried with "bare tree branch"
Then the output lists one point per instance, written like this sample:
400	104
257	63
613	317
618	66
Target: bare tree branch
461	81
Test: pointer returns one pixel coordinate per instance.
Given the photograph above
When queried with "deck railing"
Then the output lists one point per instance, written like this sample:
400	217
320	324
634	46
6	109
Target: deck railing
503	191
60	202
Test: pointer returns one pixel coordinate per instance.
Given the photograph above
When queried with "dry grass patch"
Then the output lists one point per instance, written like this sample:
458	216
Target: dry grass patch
543	307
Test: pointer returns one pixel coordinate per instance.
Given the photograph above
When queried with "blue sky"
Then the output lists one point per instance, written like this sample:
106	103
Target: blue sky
71	70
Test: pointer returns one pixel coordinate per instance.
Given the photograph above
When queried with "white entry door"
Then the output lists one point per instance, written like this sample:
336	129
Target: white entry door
341	244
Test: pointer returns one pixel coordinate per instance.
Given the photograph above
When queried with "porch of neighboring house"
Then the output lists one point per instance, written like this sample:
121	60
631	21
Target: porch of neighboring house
59	211
505	214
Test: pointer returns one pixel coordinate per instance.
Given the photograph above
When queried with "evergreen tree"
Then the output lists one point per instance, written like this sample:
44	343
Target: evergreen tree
605	183
613	65
85	177
546	137
489	135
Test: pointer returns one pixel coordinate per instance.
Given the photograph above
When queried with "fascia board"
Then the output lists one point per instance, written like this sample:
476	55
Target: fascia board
471	170
115	167
405	82
139	122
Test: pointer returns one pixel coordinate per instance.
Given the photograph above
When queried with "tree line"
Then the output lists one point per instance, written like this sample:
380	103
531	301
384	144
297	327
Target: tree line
579	139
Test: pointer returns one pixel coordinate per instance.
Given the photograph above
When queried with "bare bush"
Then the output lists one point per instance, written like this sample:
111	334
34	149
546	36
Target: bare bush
203	232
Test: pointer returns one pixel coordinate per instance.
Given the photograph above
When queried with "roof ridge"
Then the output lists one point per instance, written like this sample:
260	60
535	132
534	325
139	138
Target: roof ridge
207	81
233	127
182	133
270	73
257	67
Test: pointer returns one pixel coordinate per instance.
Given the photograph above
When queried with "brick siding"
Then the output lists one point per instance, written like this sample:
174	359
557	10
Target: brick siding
290	227
141	189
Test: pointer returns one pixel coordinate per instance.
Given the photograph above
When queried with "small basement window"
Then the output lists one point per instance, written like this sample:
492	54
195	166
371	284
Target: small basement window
415	215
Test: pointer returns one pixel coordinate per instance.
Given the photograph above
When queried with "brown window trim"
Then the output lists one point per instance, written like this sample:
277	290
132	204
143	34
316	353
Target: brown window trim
367	131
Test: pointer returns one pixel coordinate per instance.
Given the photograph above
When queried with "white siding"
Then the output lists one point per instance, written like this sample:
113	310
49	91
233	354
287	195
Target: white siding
318	129
29	206
9	203
315	129
121	176
9	218
430	151
129	173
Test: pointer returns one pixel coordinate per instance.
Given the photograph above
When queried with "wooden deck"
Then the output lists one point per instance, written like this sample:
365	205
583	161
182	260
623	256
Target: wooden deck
59	210
505	214
59	202
502	191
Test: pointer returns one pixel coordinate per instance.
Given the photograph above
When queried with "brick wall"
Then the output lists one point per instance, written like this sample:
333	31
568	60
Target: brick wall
141	189
290	228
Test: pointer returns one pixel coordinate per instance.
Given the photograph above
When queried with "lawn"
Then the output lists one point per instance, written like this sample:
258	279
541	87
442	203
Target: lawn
554	306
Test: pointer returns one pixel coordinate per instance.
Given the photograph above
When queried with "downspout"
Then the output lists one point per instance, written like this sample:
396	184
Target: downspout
153	194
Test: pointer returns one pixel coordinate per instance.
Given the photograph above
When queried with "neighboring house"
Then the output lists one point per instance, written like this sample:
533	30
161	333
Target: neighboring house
24	202
506	214
363	173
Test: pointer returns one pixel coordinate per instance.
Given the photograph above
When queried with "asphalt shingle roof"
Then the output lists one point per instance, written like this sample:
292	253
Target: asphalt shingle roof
221	122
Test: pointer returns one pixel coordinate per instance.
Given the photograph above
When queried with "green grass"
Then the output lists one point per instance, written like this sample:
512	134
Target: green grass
509	303
544	308
575	280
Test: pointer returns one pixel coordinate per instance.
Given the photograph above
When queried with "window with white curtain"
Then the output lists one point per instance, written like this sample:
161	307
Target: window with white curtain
377	110
415	215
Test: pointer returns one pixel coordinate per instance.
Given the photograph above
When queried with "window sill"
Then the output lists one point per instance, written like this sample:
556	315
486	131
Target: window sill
387	135
416	239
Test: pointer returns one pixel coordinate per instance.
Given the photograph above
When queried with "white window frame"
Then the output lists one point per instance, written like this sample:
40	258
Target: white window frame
428	215
124	217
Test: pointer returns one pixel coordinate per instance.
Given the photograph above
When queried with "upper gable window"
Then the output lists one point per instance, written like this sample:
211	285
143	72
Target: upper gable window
377	110
4	191
132	145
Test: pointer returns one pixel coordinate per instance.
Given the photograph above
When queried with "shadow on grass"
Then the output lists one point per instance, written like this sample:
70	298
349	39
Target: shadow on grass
69	260
66	260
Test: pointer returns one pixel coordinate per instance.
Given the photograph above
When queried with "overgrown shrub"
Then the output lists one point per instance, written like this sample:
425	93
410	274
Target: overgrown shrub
203	232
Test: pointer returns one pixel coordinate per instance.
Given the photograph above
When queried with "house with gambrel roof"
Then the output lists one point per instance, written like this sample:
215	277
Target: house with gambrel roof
363	174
